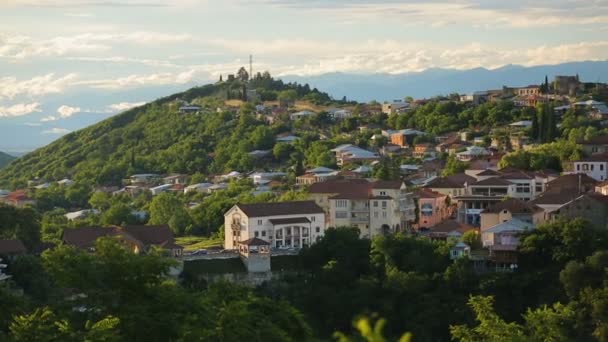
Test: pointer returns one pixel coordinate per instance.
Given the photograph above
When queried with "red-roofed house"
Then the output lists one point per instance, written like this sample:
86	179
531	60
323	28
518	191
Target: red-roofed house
433	208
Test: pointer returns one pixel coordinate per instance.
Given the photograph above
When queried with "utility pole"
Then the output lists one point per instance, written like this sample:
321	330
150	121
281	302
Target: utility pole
250	67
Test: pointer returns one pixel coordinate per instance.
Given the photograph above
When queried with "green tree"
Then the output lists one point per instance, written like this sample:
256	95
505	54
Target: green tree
454	166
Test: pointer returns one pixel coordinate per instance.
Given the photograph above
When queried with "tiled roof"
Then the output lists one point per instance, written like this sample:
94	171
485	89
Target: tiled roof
602	157
571	182
280	208
553	198
461	178
85	237
254	242
150	235
11	247
513	205
599	140
387	184
492	182
488	172
348	187
427	193
443	183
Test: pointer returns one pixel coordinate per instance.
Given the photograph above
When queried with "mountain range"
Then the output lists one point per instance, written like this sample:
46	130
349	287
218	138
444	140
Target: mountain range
5	159
432	82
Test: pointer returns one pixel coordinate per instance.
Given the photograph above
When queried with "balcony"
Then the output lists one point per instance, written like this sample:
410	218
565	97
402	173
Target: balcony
236	226
359	219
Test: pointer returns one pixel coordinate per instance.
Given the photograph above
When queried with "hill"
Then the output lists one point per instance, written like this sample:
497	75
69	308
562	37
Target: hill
5	159
433	82
156	137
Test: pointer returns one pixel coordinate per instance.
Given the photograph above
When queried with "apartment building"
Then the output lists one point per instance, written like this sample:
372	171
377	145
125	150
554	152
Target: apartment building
283	225
375	208
595	166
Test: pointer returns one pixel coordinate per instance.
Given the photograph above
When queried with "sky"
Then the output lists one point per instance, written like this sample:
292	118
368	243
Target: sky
65	64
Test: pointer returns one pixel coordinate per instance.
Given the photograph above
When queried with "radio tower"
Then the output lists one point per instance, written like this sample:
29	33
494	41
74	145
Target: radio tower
250	67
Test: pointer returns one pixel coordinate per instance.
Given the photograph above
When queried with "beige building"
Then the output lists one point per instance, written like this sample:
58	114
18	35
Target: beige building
509	209
373	207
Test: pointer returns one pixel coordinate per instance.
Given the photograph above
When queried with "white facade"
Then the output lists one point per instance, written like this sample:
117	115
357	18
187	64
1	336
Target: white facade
596	169
281	231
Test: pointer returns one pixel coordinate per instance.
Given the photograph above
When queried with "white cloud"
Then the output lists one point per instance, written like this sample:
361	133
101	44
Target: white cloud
33	124
119	107
135	81
67	111
56	130
21	46
126	60
37	86
19	109
48	118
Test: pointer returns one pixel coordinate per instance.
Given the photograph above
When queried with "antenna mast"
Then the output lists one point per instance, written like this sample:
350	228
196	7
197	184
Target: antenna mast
250	66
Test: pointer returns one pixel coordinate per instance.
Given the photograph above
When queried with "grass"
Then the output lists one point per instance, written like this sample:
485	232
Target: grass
192	243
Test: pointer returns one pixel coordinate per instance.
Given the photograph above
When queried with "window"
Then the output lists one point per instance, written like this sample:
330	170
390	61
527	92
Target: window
256	234
384	214
341	203
341	214
585	167
383	204
578	167
592	167
259	222
375	204
375	214
318	229
264	233
601	167
382	193
312	219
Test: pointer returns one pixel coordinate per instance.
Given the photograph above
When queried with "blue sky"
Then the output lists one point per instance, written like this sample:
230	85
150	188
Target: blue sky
68	63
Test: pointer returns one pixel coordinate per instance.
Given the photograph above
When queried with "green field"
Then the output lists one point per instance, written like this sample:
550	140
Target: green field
192	243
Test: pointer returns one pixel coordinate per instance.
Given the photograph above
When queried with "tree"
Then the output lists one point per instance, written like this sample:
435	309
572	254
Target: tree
100	201
243	75
118	214
472	238
166	208
454	166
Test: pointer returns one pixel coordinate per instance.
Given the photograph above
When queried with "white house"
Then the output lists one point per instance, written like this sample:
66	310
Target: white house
301	114
471	153
522	124
199	187
265	177
160	189
339	114
287	139
396	106
505	233
350	153
283	224
595	167
65	182
81	214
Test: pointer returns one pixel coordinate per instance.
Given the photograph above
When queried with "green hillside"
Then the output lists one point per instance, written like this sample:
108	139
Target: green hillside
156	137
5	159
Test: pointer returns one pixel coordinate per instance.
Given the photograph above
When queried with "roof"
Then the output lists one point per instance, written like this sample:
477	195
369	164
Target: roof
341	186
461	178
289	220
492	182
280	208
382	197
570	182
427	193
553	198
150	235
320	169
12	247
509	226
513	205
488	172
85	237
599	140
602	157
382	184
443	183
254	242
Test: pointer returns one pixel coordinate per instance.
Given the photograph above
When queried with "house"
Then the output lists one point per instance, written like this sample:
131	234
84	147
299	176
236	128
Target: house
480	165
259	154
312	178
433	208
593	207
424	150
175	179
529	90
566	85
595	166
18	198
602	188
521	124
508	209
502	240
266	177
394	107
446	186
348	153
199	187
12	247
339	114
301	114
598	144
449	229
597	110
400	137
138	239
572	184
144	179
460	250
65	182
160	189
188	108
81	214
284	224
373	207
472	152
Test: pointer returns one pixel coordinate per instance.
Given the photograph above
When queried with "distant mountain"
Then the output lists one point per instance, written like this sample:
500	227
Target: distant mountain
5	159
432	82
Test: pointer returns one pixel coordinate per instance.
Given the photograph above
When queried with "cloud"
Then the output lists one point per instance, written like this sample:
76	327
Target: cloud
119	107
126	60
20	109
49	118
135	81
22	46
56	130
78	15
82	3
33	124
37	86
67	111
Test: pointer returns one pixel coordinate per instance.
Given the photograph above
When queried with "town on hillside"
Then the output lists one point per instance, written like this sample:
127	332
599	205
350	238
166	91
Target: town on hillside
268	173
